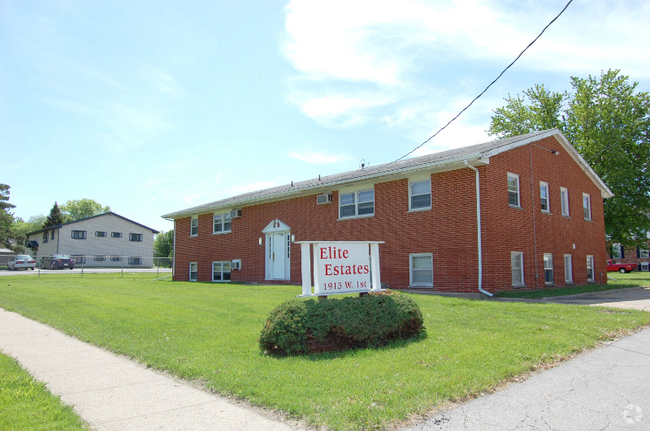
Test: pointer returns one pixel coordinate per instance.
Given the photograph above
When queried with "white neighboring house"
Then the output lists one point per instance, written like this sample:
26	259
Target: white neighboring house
107	240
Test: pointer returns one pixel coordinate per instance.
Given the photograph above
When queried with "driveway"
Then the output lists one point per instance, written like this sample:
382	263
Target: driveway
636	298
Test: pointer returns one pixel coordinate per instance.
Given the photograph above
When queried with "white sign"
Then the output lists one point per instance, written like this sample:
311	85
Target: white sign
342	268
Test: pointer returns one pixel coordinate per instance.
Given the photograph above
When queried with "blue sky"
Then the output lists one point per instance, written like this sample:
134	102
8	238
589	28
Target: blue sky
155	106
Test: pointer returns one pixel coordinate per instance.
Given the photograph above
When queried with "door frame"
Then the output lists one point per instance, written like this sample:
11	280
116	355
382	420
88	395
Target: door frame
272	232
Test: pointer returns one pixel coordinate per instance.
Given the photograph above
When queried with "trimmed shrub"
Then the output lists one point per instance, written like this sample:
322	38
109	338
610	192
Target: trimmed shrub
310	326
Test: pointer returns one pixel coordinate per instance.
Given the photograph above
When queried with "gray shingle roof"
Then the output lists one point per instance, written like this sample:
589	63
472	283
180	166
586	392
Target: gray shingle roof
473	151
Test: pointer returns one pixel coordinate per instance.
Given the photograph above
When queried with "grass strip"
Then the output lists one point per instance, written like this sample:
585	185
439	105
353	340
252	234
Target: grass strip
26	404
617	281
209	332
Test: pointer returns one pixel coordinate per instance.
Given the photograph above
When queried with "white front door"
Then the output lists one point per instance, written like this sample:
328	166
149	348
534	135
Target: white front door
277	250
277	257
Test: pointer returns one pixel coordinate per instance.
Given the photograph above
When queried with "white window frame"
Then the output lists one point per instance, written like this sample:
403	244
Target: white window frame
519	257
412	195
543	186
512	176
548	266
591	270
644	253
586	199
135	260
617	251
194	225
136	237
568	268
221	263
221	220
196	271
356	203
413	270
564	197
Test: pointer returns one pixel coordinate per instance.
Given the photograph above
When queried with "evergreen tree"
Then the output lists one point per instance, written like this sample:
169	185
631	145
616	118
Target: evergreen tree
55	218
6	217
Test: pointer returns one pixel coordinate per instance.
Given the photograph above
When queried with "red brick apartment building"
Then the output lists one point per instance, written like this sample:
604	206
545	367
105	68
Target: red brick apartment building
540	221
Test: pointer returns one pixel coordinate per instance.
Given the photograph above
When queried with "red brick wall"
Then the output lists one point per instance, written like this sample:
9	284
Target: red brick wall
448	231
509	229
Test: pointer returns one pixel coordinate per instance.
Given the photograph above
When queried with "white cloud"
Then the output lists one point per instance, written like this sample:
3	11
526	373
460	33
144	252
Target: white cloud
358	61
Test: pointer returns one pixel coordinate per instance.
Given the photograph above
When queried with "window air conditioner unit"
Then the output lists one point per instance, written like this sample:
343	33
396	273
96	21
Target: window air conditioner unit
324	199
235	214
235	264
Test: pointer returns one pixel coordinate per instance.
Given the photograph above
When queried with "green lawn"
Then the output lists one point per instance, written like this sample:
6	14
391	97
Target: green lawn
617	281
26	404
209	332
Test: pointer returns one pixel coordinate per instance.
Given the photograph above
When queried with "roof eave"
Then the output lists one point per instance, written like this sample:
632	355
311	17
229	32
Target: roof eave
283	195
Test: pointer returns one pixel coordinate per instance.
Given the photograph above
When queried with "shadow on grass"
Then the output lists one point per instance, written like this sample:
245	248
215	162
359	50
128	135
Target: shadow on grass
328	356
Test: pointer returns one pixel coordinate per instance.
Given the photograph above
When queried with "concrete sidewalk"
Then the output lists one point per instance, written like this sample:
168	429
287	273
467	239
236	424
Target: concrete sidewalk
114	393
606	389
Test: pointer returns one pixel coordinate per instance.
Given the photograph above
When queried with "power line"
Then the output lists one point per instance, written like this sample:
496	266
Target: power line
486	88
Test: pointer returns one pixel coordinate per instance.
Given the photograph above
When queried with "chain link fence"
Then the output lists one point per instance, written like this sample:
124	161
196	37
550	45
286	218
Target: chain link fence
161	266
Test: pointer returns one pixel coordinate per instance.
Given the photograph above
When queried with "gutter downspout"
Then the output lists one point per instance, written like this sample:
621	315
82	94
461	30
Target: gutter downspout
478	228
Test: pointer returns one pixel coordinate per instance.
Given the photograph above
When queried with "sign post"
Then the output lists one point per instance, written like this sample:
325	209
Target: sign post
340	267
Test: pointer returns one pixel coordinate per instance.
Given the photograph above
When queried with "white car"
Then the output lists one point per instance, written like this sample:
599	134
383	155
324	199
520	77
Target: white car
21	261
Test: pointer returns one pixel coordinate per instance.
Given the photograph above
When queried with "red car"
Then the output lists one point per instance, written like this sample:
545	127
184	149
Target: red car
620	267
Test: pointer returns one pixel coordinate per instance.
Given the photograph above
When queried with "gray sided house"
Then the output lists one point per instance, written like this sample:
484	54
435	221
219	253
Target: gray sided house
106	240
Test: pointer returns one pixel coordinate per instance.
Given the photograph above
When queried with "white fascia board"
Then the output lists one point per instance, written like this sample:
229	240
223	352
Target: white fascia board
477	159
604	190
570	149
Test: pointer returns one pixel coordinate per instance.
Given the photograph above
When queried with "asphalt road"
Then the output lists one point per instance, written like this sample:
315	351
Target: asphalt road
163	271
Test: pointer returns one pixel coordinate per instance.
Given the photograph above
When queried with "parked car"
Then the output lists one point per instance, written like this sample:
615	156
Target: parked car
57	261
620	267
22	261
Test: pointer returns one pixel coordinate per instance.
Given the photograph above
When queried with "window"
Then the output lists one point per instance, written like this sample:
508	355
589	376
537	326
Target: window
100	258
194	226
100	234
222	223
421	266
78	234
135	261
643	252
568	269
136	237
356	204
420	195
45	237
548	268
513	190
517	264
591	276
116	234
586	206
220	271
564	195
79	259
116	258
543	197
617	251
194	269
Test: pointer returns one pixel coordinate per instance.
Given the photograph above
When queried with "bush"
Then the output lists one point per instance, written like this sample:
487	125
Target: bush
310	326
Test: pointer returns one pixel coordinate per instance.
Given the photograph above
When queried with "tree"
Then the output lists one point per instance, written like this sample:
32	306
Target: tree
21	228
163	246
608	122
6	218
55	218
82	208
